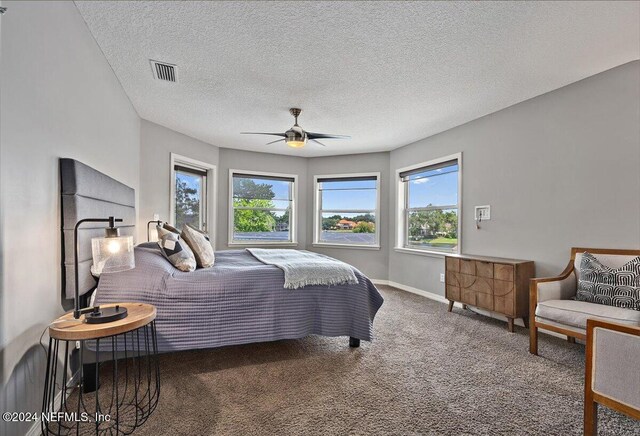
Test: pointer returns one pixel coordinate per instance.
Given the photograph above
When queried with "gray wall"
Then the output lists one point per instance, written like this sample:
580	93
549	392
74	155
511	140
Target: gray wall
156	145
60	98
271	163
559	170
374	263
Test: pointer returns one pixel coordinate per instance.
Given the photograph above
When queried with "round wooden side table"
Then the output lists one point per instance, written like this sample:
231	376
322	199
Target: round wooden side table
123	359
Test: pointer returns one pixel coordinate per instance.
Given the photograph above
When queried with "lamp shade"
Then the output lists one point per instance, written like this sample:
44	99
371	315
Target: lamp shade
112	254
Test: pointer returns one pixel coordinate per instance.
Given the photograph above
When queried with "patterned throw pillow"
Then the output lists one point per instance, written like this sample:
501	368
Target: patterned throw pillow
176	250
600	284
200	245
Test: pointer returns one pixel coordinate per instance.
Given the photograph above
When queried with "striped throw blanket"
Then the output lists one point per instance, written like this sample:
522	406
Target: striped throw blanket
304	268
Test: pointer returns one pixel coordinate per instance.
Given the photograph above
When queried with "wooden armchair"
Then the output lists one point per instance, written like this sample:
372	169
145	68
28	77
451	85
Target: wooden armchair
551	306
611	372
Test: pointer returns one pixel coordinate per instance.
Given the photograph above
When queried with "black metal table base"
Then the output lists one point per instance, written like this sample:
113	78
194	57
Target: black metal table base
127	377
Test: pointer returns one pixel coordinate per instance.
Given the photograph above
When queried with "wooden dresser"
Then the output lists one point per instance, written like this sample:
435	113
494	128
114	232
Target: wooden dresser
491	283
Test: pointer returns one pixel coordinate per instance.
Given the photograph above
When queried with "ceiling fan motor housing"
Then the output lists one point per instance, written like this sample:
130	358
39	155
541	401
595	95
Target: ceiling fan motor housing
295	137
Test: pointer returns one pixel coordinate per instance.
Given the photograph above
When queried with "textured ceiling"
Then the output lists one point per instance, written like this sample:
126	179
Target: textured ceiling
385	73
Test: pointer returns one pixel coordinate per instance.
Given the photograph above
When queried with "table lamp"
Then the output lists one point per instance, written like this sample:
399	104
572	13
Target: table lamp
111	253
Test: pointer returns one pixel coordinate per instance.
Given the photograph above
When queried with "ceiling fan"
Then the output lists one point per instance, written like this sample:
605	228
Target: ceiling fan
296	137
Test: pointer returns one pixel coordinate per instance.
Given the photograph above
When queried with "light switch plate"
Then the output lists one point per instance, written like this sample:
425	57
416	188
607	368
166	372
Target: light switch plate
156	217
483	213
441	278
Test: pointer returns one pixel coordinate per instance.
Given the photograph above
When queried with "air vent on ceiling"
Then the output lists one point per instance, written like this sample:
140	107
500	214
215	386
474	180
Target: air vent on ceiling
164	71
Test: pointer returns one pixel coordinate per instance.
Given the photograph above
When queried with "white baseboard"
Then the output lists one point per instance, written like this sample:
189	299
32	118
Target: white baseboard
439	298
429	295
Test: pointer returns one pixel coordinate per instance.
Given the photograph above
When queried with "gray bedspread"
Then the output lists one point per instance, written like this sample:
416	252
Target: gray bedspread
239	300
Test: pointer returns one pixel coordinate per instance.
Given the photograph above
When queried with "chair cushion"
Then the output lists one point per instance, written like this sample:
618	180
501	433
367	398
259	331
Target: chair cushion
575	313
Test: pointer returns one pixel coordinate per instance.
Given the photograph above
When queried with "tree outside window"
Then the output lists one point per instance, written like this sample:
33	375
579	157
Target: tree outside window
188	200
262	208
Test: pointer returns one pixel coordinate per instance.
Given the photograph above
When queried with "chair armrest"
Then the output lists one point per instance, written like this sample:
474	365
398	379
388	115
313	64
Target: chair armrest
612	353
623	328
561	287
558	289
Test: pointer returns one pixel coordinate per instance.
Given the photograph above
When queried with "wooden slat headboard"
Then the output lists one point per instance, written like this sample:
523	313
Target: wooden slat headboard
87	193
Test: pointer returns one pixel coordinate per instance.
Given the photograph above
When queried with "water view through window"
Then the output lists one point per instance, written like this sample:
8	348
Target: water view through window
431	207
347	208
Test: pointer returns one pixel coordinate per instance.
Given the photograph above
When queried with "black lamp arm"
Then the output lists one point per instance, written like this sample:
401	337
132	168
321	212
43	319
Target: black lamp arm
158	222
111	220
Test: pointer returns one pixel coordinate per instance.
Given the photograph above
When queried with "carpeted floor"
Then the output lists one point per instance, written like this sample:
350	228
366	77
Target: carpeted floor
427	372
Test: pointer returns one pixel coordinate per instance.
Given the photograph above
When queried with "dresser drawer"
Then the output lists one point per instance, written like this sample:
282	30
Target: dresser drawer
468	297
484	301
452	264
502	288
484	269
466	281
482	285
503	272
452	278
504	305
453	293
468	267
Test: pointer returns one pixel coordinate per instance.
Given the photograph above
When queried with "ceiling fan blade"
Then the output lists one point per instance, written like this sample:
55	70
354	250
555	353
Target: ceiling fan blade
273	142
317	142
312	135
263	133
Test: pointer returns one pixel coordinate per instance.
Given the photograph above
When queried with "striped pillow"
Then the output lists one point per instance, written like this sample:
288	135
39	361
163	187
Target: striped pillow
601	284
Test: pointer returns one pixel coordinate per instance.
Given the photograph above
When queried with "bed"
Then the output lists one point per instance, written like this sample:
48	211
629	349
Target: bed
237	301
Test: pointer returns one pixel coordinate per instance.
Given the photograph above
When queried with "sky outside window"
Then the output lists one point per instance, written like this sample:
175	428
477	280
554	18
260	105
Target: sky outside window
349	195
435	187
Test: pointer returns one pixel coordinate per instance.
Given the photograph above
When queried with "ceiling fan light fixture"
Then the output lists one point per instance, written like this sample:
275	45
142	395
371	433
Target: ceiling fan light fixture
295	137
296	143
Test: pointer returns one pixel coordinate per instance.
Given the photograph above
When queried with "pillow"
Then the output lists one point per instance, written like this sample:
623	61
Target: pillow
176	250
200	245
601	284
169	227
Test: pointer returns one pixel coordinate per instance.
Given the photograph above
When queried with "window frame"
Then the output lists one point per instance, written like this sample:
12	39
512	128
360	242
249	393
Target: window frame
293	229
204	206
209	190
317	215
402	216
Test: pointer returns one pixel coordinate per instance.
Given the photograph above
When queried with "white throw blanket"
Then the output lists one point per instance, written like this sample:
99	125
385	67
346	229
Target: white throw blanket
303	268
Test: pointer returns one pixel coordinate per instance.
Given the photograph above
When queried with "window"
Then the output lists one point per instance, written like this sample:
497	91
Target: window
263	208
190	200
347	210
192	193
429	200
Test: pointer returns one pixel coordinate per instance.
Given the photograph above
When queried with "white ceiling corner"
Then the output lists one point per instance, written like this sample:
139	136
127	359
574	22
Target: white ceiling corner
386	73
